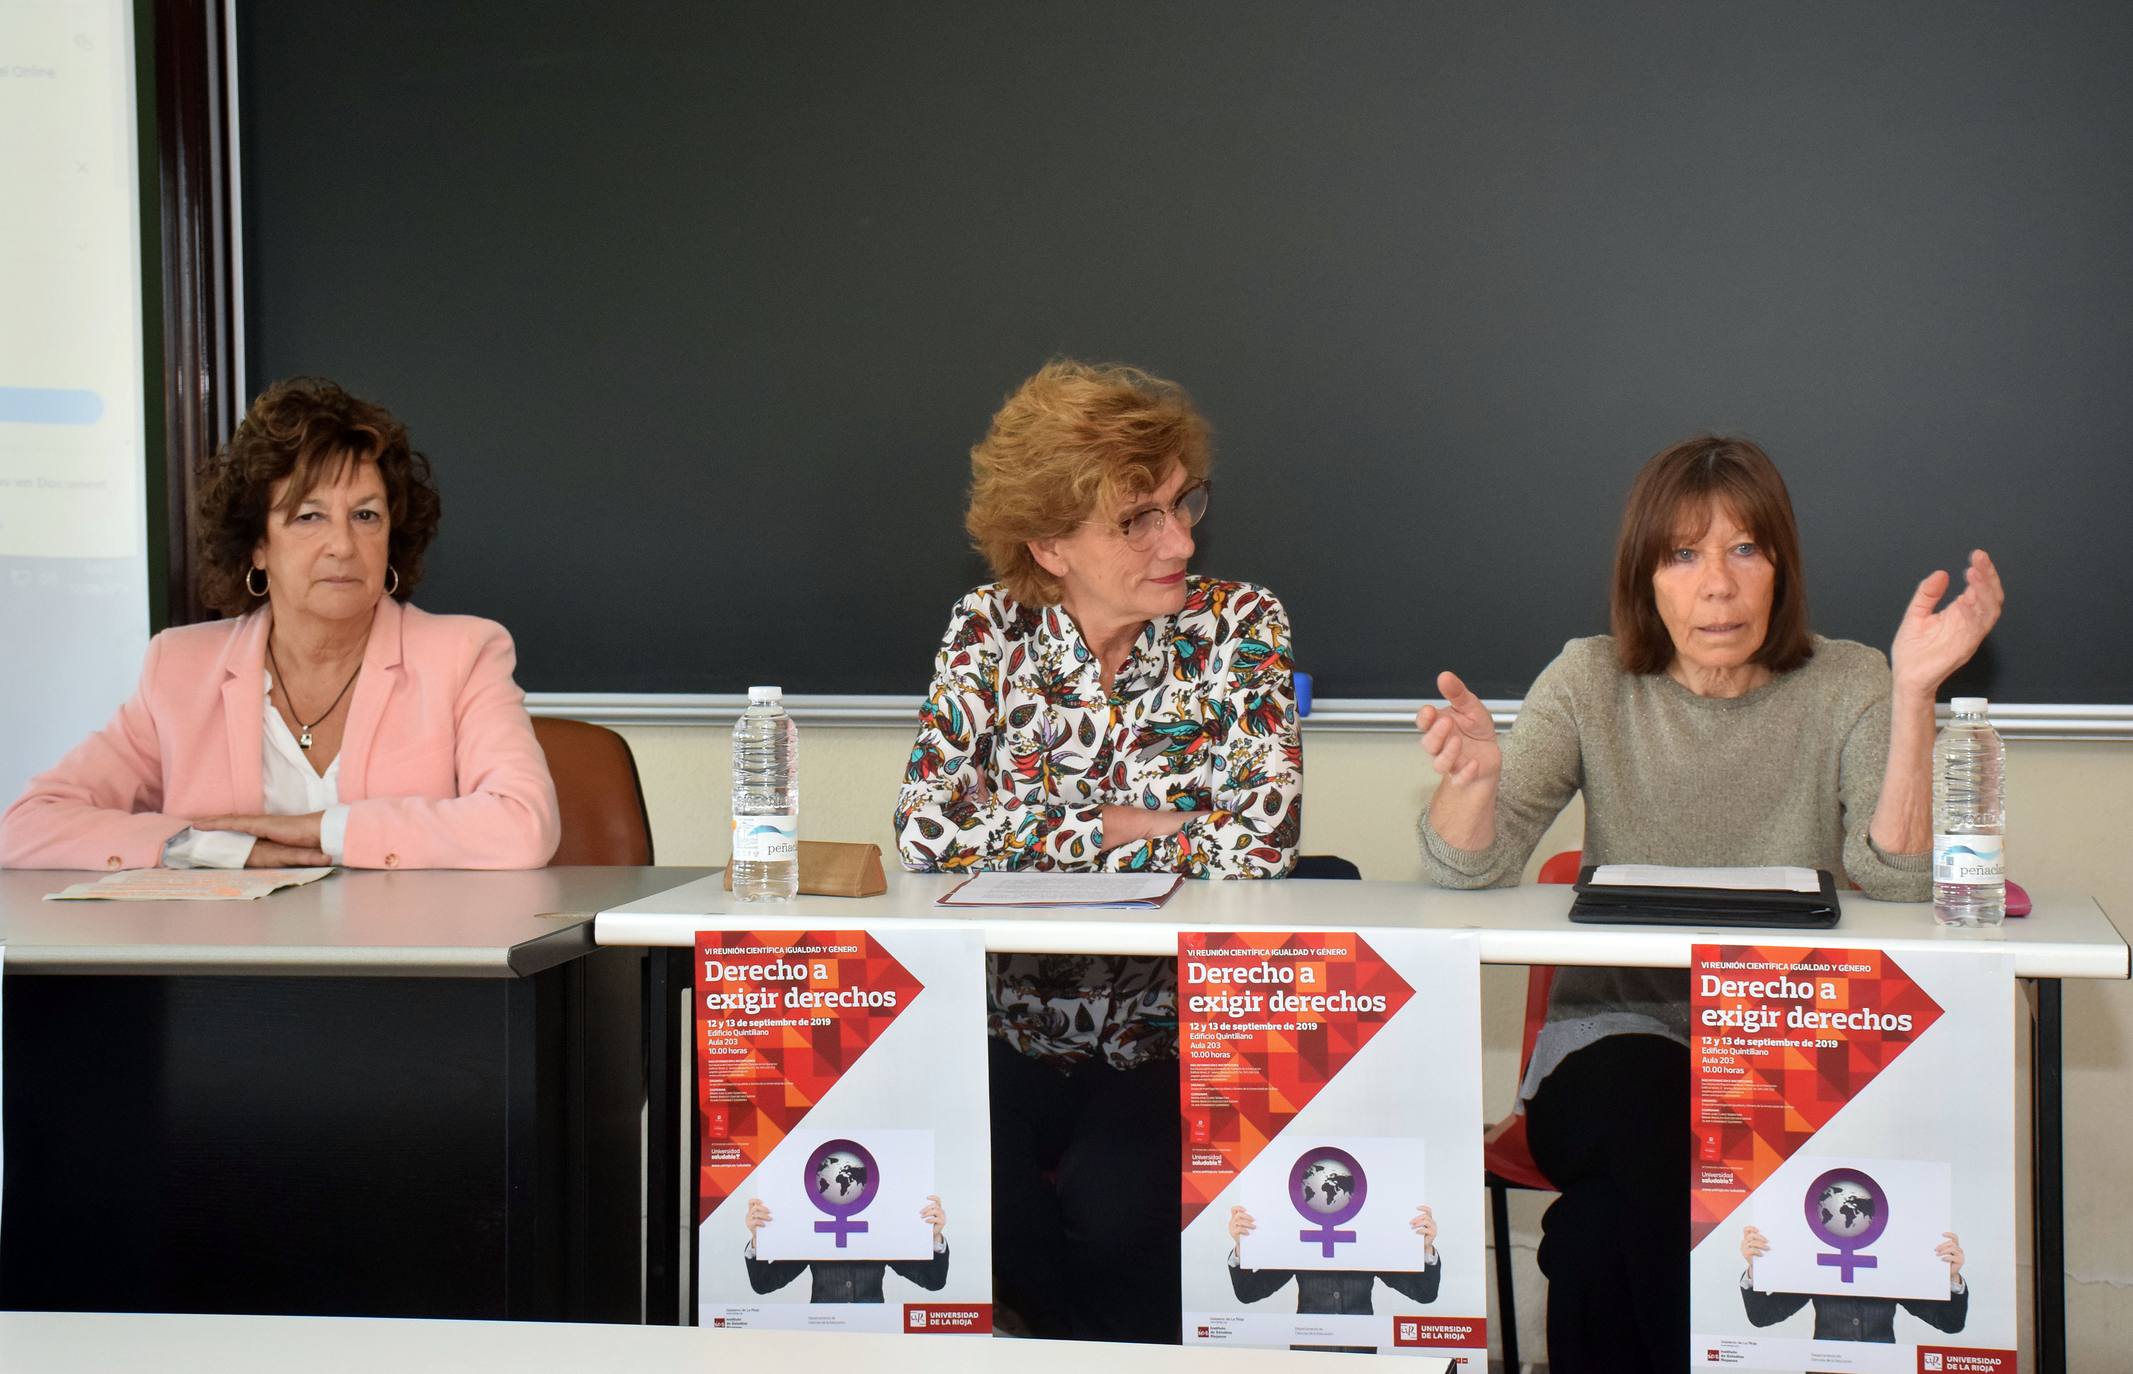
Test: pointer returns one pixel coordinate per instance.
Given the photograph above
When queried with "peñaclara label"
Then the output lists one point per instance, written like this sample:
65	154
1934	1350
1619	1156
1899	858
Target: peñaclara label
1968	859
766	839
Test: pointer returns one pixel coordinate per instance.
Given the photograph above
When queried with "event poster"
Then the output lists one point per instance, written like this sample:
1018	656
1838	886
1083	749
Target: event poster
845	1179
1852	1195
1330	1088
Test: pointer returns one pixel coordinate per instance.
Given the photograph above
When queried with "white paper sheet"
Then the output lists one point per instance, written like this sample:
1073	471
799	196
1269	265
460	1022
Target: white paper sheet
188	885
1064	889
1772	879
1919	1205
1378	1237
893	1230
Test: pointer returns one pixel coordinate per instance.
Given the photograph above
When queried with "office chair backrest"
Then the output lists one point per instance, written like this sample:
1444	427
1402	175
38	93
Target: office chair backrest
596	786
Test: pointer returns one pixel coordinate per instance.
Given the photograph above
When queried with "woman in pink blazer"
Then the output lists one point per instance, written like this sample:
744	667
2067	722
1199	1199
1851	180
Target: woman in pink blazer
327	722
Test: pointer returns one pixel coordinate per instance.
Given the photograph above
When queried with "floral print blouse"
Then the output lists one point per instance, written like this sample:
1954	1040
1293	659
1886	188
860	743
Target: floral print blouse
1020	748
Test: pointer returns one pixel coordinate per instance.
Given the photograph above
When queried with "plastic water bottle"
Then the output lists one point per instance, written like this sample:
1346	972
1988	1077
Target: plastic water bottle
766	800
1969	819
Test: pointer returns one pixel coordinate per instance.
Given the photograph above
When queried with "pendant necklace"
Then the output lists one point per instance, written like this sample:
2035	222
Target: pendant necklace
303	739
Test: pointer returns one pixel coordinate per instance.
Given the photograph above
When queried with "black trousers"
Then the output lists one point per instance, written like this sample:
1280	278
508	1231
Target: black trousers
1085	1197
1610	1128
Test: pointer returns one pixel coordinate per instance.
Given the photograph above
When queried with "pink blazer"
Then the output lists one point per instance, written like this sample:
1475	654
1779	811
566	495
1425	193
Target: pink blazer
439	765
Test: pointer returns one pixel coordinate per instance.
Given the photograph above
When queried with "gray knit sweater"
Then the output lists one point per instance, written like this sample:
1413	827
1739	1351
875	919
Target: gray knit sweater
1788	774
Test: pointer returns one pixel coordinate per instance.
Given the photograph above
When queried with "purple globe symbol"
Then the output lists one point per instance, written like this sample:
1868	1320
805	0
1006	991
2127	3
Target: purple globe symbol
1847	1209
841	1178
1327	1187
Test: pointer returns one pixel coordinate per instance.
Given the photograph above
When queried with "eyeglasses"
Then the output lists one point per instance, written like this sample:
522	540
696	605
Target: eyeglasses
1142	529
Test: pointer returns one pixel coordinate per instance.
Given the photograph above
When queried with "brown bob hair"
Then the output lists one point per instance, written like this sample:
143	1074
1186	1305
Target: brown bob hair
1073	439
1671	495
310	431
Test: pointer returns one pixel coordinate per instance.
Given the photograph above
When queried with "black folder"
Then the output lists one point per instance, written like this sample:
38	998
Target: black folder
1780	909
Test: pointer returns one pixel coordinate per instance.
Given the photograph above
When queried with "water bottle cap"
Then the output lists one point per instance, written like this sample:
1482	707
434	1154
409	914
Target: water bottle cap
1969	706
762	696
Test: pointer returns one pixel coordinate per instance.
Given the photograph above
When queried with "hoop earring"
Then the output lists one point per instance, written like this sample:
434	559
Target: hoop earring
393	589
261	589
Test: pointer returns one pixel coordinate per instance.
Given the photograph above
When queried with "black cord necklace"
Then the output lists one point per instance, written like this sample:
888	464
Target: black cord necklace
303	739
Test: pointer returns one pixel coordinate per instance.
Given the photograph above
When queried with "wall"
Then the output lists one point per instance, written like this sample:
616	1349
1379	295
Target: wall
2069	813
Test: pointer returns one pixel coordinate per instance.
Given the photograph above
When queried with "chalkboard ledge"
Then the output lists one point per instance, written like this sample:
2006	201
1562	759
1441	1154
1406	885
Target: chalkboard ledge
2013	720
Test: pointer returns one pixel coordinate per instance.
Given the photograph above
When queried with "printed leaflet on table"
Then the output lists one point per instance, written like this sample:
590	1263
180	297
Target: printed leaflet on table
845	1180
1330	1087
1852	1192
187	885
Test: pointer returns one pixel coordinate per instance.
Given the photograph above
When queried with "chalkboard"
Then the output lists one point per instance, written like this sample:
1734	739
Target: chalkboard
699	307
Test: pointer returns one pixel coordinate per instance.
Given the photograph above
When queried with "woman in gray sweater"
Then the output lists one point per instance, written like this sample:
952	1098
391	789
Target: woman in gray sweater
1711	728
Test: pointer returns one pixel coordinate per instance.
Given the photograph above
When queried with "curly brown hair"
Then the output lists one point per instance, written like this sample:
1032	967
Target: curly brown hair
1073	437
308	430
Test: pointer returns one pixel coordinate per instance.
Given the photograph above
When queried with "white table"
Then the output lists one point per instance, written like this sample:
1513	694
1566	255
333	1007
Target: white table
2065	937
96	1343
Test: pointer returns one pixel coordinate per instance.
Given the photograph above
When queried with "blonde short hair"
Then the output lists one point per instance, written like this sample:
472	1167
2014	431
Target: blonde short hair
1074	439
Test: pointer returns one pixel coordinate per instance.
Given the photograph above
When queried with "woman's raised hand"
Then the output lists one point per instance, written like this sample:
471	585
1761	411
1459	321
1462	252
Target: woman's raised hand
1931	644
1459	736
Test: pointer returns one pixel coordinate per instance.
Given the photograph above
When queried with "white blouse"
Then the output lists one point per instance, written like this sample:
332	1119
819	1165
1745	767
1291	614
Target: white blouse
289	787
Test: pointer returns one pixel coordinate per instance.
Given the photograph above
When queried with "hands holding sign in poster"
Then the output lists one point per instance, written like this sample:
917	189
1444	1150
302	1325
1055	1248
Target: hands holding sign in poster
1337	1289
1754	1244
1841	1317
1423	1224
933	1214
1855	1228
836	1279
848	1193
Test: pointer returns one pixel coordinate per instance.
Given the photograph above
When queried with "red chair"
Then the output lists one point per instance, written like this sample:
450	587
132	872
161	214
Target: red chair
1505	1156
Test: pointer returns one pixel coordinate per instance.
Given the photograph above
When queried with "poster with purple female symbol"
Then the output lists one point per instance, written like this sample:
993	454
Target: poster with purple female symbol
1852	1179
844	1179
1330	1096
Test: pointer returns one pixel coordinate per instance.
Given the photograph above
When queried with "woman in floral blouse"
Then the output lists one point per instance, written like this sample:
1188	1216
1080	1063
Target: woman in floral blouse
1098	709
